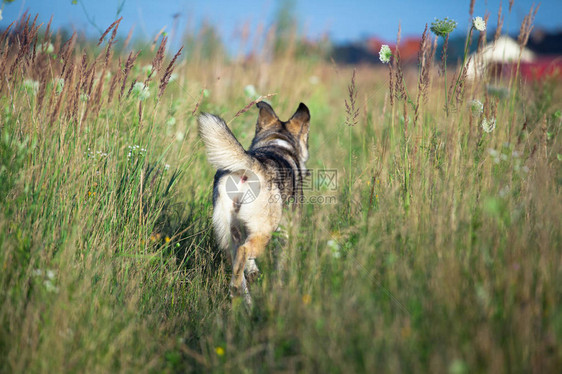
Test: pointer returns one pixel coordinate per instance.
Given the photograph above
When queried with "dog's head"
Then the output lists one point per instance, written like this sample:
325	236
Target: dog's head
296	128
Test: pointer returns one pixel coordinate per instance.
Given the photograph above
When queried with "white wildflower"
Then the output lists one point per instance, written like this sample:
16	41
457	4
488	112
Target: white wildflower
31	86
385	54
171	121
504	191
166	167
179	136
443	27
59	85
250	91
147	69
335	248
50	274
47	48
314	80
479	24
476	108
50	287
37	272
140	90
488	125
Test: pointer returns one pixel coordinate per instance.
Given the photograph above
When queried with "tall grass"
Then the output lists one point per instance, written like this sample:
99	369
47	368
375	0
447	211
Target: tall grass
442	253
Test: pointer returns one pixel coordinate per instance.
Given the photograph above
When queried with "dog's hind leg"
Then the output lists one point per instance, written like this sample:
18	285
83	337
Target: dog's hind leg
251	269
253	247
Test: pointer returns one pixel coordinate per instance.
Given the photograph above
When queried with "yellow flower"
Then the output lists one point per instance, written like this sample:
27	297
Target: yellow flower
220	351
168	239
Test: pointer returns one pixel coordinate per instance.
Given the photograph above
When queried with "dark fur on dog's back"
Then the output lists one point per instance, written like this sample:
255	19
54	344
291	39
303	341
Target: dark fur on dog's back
281	153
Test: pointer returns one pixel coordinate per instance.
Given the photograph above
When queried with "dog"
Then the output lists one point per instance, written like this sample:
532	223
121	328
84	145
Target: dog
251	187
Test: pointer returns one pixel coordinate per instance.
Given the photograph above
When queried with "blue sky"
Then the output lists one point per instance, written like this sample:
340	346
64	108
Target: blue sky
342	20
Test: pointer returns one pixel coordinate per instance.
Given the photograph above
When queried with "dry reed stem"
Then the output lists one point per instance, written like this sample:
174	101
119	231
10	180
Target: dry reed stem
500	24
157	60
351	110
249	105
115	23
168	73
128	65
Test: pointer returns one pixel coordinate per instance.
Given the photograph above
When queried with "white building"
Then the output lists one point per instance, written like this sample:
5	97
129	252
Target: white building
504	51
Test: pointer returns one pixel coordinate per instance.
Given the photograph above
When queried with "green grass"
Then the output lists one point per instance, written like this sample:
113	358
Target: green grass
108	263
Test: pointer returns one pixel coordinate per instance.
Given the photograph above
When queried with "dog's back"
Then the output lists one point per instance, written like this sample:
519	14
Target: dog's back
251	187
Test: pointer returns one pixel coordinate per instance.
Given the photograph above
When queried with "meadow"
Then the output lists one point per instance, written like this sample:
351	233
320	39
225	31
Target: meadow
436	247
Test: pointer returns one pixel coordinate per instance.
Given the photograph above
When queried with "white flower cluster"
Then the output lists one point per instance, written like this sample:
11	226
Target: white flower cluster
250	92
488	124
334	248
31	86
479	24
476	108
141	91
59	85
135	150
96	154
385	54
508	155
48	279
47	48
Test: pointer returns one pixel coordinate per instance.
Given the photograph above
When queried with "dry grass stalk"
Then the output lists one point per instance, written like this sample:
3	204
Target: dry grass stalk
424	67
4	39
462	81
500	24
113	84
24	37
198	103
66	51
128	38
399	89
471	10
527	27
128	65
391	82
47	35
157	60
351	110
247	107
168	73
131	87
115	23
89	83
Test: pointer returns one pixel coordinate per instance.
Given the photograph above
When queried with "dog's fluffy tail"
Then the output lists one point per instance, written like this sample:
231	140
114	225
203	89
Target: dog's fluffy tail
223	150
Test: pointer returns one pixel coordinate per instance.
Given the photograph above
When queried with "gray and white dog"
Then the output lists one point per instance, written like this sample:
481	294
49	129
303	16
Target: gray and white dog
252	186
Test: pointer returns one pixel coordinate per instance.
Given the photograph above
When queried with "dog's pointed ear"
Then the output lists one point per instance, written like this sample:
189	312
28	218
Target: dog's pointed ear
266	116
300	121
